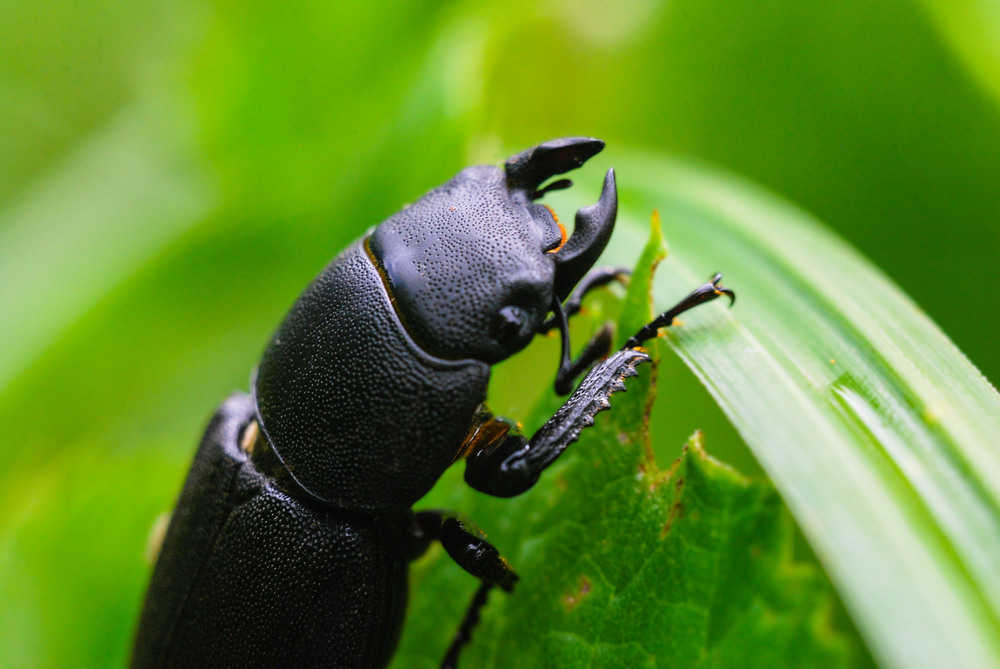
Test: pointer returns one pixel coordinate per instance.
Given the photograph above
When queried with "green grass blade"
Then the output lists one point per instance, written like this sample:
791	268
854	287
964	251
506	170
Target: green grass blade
881	436
127	191
972	30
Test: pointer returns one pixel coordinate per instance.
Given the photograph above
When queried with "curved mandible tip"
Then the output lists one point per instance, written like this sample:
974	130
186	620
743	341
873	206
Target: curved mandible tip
594	225
527	170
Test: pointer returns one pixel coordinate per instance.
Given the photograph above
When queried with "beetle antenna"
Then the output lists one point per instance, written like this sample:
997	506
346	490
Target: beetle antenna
595	278
596	348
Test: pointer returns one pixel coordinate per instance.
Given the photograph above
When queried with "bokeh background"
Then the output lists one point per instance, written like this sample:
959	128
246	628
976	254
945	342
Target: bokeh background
173	173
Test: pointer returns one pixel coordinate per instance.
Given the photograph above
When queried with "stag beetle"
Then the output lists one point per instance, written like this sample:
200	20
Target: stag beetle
290	541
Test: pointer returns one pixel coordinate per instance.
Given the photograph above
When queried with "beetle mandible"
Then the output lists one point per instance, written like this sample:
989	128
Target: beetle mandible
290	542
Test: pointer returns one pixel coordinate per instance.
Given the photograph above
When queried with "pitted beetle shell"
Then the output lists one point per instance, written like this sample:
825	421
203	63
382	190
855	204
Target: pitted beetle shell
459	255
251	577
359	415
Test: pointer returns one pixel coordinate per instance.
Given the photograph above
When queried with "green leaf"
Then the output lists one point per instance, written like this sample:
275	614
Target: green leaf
880	435
626	565
638	307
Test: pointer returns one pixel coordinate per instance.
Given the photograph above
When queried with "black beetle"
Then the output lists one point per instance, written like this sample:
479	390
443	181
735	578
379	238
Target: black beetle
290	542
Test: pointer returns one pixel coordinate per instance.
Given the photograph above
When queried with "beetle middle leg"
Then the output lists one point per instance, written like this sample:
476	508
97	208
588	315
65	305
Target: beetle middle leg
467	548
513	464
471	551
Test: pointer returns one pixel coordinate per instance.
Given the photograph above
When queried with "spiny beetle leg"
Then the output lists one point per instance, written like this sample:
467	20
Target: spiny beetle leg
515	464
704	293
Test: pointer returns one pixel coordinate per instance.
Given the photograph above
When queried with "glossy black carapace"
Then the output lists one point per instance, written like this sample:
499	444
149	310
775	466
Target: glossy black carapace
290	543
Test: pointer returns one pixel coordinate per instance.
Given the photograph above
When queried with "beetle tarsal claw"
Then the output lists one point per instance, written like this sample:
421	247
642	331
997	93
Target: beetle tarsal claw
722	290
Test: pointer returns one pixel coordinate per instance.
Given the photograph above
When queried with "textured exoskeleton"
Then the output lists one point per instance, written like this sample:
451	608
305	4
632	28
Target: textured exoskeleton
290	542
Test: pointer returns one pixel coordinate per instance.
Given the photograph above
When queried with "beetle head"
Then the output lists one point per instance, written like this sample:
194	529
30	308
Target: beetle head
474	266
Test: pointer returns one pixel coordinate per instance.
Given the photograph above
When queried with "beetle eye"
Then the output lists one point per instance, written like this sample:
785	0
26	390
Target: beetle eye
511	325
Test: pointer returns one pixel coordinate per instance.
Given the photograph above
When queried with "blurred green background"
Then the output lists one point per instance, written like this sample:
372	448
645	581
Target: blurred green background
173	173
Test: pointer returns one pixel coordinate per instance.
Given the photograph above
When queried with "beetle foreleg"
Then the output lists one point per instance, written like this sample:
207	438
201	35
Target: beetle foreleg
515	464
512	465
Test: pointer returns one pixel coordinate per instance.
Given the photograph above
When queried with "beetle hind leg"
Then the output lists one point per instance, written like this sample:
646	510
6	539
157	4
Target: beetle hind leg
478	557
471	551
469	622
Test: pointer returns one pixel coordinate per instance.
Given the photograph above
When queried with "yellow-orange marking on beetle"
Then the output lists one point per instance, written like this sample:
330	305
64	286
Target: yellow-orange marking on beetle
482	436
249	437
562	230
